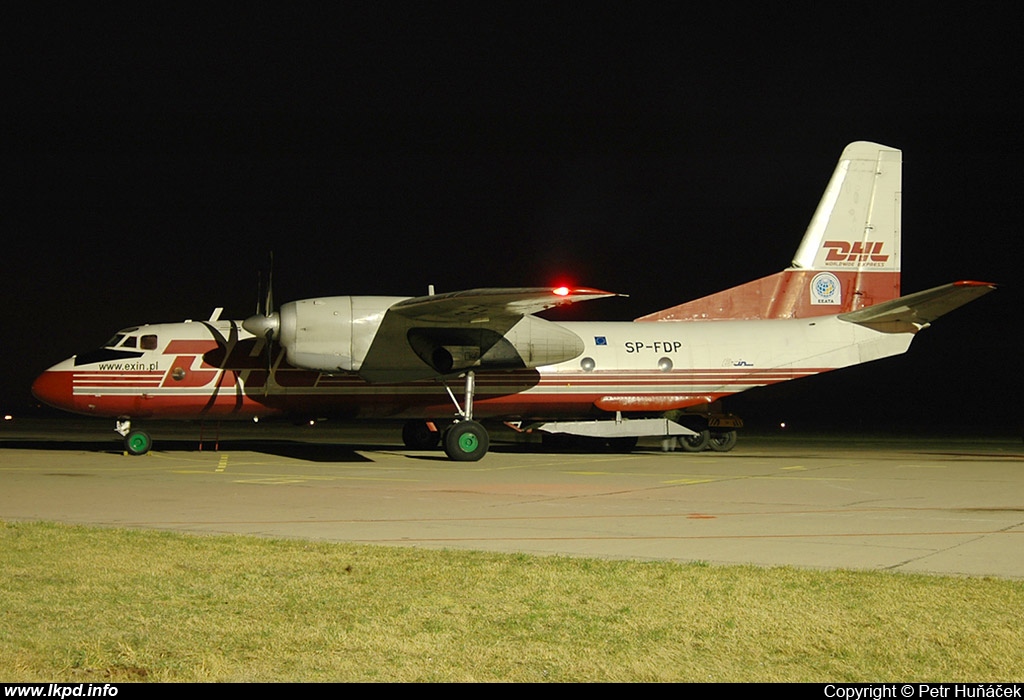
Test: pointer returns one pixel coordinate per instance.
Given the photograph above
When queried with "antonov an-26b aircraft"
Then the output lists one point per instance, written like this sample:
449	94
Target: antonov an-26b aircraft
663	374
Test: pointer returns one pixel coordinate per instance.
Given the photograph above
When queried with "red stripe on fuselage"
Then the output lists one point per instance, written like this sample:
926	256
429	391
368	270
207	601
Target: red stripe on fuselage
519	394
189	347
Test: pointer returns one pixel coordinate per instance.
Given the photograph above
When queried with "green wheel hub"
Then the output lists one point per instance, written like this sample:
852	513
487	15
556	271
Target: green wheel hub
468	442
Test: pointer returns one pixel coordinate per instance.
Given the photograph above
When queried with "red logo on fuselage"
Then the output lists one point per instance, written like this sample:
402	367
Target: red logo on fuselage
855	252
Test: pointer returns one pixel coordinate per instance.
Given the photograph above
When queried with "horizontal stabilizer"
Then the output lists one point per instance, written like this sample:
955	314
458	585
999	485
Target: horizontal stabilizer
914	311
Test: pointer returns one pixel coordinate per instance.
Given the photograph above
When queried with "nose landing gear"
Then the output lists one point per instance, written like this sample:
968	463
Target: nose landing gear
136	442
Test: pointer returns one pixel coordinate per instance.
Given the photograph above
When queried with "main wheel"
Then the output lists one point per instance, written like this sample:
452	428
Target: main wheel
466	441
137	443
695	443
417	435
724	441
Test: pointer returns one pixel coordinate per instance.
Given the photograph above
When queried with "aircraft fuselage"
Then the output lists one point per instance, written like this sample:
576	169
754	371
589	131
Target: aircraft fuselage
633	367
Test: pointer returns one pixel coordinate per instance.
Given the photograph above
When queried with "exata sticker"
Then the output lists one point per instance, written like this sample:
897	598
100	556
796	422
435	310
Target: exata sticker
825	289
844	253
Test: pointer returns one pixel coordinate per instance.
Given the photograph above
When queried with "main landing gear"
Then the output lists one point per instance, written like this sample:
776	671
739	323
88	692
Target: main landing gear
465	440
714	431
718	441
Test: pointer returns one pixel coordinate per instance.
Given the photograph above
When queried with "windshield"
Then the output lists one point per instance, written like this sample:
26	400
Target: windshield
129	338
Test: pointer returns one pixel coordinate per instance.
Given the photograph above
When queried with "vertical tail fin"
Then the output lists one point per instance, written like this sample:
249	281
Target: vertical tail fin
849	257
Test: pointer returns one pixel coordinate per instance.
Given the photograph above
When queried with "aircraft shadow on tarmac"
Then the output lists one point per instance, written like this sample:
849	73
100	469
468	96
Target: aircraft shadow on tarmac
307	451
293	449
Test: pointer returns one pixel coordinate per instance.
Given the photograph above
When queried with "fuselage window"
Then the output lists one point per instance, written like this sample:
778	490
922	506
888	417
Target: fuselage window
148	342
130	341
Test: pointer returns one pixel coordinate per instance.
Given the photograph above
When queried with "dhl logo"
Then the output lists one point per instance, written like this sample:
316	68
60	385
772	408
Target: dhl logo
856	252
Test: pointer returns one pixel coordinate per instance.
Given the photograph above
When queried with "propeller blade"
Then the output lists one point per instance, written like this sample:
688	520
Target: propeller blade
227	345
270	359
269	308
259	291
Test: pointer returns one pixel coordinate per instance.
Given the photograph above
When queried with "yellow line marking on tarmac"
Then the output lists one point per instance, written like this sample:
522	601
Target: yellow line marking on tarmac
223	463
300	479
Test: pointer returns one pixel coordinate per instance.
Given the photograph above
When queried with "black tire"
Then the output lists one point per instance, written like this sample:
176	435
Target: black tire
137	442
695	443
466	441
723	441
418	436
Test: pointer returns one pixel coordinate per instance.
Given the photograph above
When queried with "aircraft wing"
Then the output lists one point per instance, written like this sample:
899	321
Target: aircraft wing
914	311
480	305
494	328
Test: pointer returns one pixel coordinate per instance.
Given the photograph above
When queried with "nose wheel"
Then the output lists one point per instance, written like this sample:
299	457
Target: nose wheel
136	442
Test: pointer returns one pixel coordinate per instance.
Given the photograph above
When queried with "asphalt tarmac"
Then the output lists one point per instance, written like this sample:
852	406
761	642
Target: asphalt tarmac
944	505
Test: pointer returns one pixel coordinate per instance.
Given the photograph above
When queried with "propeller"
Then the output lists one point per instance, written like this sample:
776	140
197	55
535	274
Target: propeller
227	346
265	323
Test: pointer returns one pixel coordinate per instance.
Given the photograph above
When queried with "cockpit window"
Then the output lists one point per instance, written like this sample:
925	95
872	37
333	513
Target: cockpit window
125	338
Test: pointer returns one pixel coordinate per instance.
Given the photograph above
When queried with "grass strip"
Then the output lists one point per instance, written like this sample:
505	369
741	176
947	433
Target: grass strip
94	604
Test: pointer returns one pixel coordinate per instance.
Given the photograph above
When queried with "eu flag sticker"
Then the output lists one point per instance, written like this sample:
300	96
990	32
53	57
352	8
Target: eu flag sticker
600	340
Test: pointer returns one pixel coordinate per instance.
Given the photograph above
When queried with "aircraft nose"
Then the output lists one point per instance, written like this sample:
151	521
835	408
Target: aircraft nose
54	389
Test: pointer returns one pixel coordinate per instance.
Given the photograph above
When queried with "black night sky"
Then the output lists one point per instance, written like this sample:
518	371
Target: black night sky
152	162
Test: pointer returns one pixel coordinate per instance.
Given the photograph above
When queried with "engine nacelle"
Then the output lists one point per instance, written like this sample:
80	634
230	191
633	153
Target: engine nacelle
530	342
331	334
349	334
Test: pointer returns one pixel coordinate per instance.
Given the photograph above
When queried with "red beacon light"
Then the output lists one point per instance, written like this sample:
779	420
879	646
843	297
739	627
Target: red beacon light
561	291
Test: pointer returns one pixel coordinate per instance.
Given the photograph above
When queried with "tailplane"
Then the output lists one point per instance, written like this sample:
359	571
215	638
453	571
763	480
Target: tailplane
916	311
849	258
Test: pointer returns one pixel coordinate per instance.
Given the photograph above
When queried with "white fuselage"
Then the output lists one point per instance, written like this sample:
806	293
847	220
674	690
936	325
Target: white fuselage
633	367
